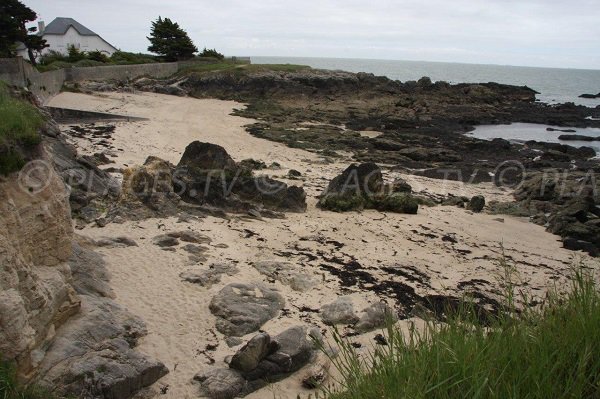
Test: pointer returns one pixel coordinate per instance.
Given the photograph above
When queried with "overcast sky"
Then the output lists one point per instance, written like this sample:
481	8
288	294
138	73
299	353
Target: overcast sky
553	33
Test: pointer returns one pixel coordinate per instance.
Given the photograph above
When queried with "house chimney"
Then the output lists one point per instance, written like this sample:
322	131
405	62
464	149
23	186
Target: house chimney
41	27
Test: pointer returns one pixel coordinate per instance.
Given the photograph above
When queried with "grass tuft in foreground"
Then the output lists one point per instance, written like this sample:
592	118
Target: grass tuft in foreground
11	389
549	352
19	129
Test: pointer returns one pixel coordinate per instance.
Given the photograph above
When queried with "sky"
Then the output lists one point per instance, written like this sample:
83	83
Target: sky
547	33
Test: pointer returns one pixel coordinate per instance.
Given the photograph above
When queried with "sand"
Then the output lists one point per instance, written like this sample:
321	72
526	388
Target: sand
146	279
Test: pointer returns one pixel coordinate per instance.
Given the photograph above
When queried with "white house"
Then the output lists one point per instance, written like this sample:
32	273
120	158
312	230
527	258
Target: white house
62	33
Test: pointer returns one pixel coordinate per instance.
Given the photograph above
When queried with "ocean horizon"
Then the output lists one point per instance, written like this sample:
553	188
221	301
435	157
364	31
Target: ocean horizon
554	85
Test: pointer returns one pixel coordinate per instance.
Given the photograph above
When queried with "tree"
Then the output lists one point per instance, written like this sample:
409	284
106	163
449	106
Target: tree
170	41
14	15
211	53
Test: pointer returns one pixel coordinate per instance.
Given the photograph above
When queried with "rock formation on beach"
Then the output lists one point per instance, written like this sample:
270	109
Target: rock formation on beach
215	262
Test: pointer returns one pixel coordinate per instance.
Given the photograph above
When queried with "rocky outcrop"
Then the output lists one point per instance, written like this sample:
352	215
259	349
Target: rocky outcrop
36	296
207	174
263	360
362	187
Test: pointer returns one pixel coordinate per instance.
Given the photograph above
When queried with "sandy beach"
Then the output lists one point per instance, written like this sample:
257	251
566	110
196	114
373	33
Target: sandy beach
146	278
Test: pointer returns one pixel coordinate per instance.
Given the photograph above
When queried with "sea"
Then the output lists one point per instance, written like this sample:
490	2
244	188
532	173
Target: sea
554	86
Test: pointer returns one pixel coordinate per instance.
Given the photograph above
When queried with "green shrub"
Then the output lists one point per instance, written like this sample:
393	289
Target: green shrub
19	129
125	58
548	352
211	53
51	57
74	54
87	63
97	56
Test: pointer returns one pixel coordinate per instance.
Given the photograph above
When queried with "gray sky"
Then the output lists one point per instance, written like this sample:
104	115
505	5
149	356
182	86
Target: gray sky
553	33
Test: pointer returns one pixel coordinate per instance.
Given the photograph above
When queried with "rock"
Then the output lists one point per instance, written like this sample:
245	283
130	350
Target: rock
455	201
250	355
318	372
401	186
375	316
116	242
288	273
208	278
294	174
590	96
252	164
341	311
207	174
165	241
190	236
233	341
195	249
89	270
221	383
577	137
574	244
243	308
296	348
356	181
476	204
551	129
206	157
361	186
36	295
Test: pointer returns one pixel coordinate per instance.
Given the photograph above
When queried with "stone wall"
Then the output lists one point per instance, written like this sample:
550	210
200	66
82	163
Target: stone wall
45	85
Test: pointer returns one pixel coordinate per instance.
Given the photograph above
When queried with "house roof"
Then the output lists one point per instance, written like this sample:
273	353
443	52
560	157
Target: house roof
60	26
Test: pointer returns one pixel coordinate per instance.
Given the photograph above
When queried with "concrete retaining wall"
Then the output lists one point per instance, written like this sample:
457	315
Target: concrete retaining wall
17	72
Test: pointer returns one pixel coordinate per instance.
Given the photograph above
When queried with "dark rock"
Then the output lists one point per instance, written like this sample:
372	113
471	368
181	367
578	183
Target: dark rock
574	244
250	355
165	241
201	156
244	308
476	204
294	174
577	137
590	96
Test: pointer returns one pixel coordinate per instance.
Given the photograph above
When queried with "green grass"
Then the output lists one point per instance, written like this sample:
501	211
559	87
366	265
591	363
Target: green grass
227	66
19	129
551	352
11	389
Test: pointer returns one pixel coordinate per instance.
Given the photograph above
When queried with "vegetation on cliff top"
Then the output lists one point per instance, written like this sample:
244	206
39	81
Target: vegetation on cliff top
551	352
19	130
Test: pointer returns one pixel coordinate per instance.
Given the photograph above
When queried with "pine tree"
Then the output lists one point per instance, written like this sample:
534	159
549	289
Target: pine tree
14	15
168	40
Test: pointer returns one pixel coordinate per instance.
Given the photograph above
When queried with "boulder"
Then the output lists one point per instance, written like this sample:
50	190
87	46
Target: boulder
221	383
296	348
250	355
243	308
476	204
165	240
340	311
